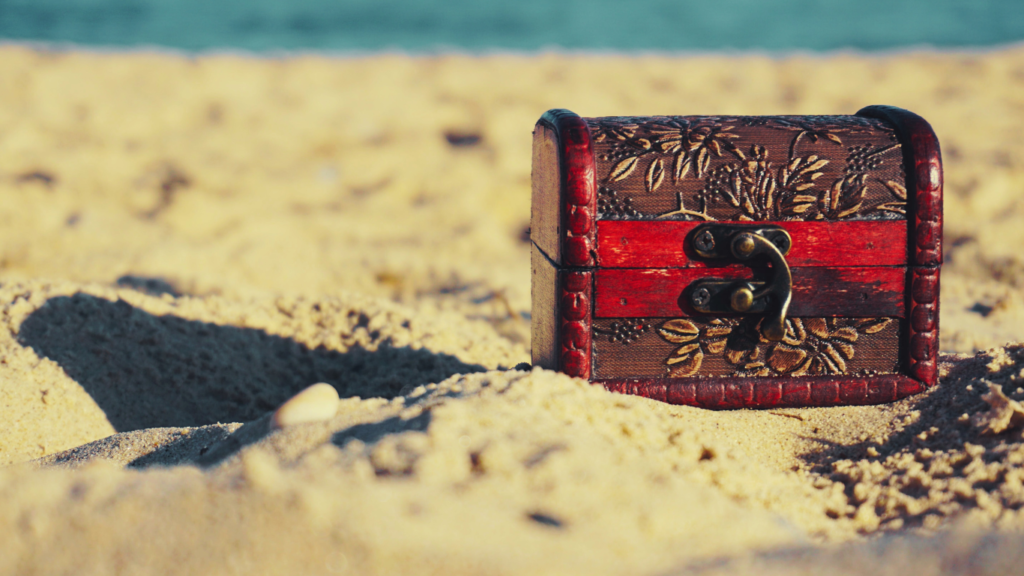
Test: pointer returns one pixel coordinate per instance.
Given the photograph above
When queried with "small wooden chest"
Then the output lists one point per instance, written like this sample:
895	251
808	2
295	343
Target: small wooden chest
739	261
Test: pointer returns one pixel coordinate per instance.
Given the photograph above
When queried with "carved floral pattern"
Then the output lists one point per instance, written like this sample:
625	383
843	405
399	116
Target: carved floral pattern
696	341
811	346
742	173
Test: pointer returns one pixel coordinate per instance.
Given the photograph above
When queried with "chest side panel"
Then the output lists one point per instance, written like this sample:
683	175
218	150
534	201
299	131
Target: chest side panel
546	205
544	292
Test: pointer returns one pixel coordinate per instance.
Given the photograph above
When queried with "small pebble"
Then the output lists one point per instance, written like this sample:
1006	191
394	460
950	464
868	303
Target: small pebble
317	403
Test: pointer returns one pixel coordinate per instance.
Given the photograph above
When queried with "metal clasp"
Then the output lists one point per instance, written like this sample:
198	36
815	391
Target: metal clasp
744	243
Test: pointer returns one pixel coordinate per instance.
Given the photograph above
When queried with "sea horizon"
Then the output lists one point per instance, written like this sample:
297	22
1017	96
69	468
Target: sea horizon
358	27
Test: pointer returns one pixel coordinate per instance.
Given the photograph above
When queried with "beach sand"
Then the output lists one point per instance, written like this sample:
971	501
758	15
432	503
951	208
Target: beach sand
188	242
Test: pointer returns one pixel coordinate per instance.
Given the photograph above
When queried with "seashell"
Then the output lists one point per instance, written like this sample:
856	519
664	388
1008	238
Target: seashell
317	403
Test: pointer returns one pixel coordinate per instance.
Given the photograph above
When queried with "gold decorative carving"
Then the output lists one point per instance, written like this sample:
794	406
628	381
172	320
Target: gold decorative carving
748	168
811	346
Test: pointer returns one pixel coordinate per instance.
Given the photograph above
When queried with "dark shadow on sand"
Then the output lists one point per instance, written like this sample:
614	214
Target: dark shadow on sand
940	413
149	371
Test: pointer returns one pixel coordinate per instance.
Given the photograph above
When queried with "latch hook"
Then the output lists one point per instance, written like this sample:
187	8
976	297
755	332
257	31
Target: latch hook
744	243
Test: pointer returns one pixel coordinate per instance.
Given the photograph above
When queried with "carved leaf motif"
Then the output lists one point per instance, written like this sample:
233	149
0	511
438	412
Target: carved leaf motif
618	130
679	331
716	346
757	369
703	159
798	205
683	353
681	165
787	360
623	169
687	366
745	357
796	177
815	166
795	333
817	326
846	349
873	325
655	175
897	189
896	207
716	331
851	210
769	195
845	197
832	196
834	358
846	333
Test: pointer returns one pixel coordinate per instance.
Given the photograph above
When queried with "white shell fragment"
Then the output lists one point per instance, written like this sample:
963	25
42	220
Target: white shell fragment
317	403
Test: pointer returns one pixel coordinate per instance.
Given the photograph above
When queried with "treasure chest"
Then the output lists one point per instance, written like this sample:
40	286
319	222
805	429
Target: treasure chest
739	261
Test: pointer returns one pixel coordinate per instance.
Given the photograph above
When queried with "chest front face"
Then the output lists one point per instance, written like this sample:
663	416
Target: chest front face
739	261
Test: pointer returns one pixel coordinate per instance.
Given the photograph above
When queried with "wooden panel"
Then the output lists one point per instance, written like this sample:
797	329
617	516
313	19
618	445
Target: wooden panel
544	311
854	292
732	347
923	164
663	244
732	393
546	206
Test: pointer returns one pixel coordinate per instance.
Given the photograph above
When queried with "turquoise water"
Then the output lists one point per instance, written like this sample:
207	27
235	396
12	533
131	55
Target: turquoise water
425	26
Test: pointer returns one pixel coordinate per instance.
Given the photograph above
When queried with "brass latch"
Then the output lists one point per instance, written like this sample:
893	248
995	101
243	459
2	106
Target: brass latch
743	243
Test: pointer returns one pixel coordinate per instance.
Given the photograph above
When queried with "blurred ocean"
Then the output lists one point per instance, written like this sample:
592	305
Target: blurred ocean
475	25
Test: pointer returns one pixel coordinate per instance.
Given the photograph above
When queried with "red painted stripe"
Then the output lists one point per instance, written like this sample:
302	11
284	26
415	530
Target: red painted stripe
817	292
662	244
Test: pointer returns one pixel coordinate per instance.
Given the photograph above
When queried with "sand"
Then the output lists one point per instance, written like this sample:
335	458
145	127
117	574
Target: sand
187	242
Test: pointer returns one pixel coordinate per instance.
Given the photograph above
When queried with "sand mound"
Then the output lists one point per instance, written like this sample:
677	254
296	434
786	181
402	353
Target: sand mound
94	360
188	242
513	472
